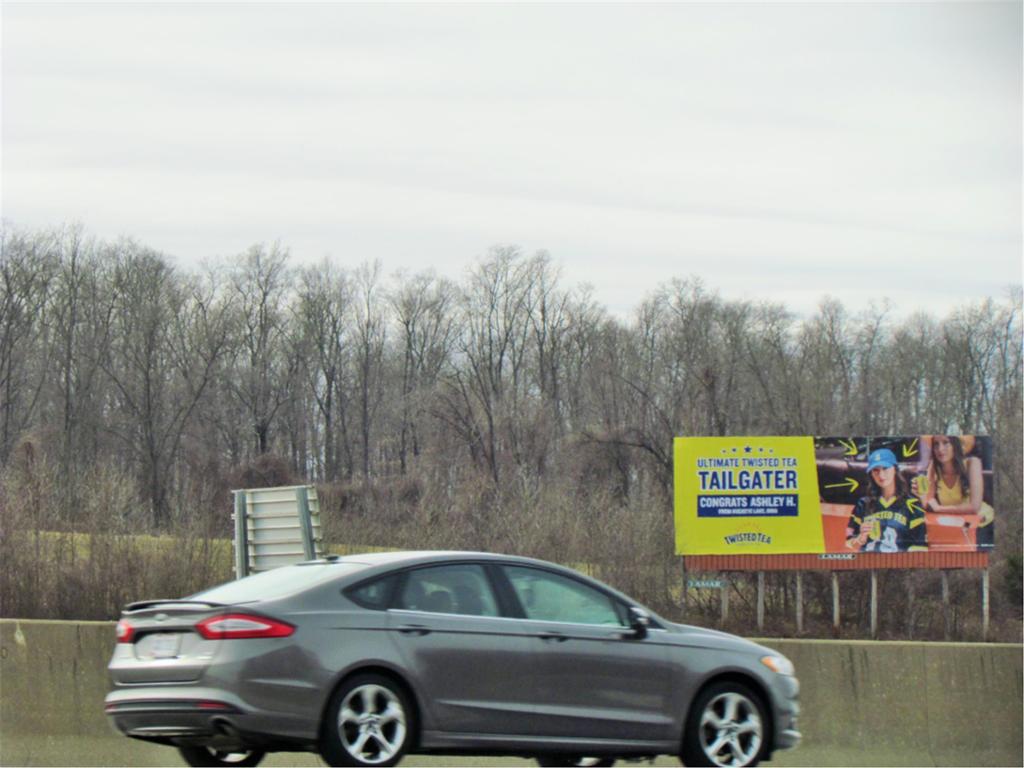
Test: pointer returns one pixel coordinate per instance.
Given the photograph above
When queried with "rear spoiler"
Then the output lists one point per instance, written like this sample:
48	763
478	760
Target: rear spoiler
142	604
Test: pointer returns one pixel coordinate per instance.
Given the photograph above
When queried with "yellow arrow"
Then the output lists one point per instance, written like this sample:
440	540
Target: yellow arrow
853	484
915	505
851	447
908	452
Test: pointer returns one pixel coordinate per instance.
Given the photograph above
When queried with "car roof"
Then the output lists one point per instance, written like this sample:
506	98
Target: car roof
381	562
426	555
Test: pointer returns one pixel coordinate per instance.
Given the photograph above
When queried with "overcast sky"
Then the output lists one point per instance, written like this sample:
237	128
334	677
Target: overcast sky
778	151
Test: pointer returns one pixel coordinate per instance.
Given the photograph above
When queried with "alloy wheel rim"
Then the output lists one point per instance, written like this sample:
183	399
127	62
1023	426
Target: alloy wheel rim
731	730
371	724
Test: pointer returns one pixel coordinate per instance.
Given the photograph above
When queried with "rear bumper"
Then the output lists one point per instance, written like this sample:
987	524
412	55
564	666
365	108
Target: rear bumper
202	716
180	722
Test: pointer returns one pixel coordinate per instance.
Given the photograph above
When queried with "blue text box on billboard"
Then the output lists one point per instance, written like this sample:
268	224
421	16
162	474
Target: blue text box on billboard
735	505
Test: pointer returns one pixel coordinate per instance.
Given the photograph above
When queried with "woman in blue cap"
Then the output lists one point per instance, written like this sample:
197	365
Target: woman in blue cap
889	518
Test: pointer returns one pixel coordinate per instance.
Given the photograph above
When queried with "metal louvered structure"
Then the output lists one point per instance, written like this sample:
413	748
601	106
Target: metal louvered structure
275	527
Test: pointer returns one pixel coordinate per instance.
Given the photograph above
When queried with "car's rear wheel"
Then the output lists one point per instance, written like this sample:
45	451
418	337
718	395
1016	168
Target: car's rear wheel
208	756
569	761
369	722
726	726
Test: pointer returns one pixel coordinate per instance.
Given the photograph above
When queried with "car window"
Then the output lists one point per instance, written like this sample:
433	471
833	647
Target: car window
547	596
374	594
462	589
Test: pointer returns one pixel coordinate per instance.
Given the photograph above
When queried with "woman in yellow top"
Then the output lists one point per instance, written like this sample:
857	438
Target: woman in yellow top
956	487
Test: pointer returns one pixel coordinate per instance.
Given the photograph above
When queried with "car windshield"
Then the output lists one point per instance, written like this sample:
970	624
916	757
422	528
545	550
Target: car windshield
277	583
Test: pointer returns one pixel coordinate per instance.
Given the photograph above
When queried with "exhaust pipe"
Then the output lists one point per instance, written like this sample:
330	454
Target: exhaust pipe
227	737
224	727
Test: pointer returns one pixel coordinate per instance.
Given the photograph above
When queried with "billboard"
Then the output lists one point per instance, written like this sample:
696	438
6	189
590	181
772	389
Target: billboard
833	495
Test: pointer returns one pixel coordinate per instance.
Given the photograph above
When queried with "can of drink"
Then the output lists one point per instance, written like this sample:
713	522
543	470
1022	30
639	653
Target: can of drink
922	485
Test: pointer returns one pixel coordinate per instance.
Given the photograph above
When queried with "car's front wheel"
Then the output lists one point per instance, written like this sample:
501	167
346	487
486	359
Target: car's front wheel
369	722
726	726
207	757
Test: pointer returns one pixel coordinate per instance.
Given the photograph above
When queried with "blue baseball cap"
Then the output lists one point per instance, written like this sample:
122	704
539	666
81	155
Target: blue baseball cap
883	457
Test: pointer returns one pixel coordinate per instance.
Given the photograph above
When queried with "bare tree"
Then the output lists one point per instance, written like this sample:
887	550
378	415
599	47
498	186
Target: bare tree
370	333
323	315
168	338
423	308
483	397
27	271
263	368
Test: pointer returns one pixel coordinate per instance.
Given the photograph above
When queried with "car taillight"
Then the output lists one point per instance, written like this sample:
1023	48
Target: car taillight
238	626
125	632
214	705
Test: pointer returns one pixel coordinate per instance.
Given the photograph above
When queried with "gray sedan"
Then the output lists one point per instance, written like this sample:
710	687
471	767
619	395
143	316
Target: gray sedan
368	657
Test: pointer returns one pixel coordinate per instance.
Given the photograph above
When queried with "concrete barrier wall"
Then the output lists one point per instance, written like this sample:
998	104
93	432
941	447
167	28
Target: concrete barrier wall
863	703
897	703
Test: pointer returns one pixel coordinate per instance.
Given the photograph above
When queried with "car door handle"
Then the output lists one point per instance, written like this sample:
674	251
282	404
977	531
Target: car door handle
414	629
556	637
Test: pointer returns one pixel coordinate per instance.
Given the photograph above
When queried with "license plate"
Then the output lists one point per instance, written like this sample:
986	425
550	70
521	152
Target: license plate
165	646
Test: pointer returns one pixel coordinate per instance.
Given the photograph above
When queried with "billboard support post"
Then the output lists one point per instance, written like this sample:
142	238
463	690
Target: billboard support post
911	595
686	586
945	604
874	604
835	603
984	604
725	598
799	602
760	601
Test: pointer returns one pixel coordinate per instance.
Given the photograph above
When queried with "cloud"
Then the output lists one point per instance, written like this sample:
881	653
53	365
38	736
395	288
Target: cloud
764	147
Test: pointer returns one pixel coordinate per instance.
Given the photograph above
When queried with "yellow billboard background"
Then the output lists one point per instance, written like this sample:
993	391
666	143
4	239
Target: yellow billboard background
746	496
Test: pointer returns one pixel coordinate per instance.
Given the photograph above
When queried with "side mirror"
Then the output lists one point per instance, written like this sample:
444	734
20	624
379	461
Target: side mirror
639	621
